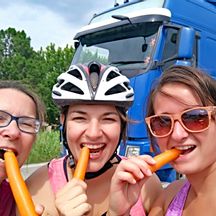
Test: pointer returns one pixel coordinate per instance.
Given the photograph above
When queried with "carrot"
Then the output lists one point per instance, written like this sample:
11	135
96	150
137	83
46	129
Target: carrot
19	189
164	158
82	164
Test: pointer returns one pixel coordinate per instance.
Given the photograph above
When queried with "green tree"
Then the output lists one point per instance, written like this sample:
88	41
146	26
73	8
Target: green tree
38	69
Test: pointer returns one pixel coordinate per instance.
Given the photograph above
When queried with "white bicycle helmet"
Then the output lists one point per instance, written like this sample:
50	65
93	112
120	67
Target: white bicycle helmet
93	83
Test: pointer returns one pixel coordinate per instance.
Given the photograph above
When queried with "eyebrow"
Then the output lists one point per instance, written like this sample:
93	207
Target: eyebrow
84	113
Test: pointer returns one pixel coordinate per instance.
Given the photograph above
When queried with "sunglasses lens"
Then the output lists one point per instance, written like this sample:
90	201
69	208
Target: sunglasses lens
196	120
160	125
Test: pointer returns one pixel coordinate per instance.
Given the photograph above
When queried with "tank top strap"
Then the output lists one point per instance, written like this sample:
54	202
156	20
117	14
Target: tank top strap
177	205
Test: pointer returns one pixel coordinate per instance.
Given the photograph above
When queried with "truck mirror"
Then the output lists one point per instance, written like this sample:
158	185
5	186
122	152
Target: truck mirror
186	42
76	44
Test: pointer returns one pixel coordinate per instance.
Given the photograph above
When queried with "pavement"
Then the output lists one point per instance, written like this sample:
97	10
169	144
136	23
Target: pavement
28	169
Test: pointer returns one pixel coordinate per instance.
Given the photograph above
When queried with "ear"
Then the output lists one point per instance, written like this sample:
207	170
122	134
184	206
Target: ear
62	118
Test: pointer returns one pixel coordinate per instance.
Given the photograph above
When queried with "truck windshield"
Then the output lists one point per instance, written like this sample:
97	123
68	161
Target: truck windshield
128	47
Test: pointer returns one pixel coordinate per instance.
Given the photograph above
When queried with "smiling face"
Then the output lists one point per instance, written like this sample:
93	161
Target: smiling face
18	104
95	126
198	146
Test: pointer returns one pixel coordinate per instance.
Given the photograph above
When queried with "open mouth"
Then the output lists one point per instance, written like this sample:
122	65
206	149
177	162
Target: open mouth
2	151
95	148
186	149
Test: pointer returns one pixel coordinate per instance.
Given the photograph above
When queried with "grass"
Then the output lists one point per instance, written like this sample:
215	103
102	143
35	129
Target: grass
46	147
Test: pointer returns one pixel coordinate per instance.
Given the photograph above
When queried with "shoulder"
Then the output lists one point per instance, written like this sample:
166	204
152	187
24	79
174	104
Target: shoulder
40	189
38	176
165	197
171	190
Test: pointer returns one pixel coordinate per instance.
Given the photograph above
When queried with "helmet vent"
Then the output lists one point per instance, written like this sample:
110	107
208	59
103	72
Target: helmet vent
59	82
75	73
94	78
56	93
72	88
94	70
112	75
126	84
115	89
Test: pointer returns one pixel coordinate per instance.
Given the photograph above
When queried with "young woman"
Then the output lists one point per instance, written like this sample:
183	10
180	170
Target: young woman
93	100
181	115
21	114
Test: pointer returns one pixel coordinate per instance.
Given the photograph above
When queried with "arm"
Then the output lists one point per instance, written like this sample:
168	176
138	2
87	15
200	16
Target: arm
127	183
150	192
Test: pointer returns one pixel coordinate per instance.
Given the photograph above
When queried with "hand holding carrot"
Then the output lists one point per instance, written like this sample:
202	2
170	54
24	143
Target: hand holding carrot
129	177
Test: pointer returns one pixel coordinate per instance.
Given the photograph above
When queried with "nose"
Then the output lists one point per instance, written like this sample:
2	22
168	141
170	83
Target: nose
178	132
11	131
94	130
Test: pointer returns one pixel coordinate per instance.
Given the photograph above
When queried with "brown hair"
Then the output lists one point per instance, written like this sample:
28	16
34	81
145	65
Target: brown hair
40	107
197	80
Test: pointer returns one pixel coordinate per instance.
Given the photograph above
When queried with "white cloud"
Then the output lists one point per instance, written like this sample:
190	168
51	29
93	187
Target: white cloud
49	23
43	26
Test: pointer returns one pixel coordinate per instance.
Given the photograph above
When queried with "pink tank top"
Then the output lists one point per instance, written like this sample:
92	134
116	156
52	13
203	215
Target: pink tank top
7	203
58	179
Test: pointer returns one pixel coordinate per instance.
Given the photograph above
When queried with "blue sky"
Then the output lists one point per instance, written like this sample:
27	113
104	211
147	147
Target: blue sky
46	21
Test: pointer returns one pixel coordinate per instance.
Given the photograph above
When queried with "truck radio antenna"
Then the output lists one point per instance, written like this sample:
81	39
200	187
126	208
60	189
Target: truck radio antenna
120	17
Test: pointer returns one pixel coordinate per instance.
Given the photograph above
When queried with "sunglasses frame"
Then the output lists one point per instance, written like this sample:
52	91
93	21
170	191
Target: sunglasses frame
177	117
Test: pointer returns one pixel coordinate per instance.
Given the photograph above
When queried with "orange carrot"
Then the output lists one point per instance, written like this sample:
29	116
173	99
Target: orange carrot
82	164
164	158
19	189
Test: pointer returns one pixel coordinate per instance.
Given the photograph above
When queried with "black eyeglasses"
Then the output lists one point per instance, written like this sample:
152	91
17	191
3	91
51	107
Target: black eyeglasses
25	124
193	120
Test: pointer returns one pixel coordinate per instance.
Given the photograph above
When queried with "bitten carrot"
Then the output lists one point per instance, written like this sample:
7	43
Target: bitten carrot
164	158
82	164
19	189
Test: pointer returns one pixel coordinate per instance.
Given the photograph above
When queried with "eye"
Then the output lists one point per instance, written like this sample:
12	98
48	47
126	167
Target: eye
111	119
76	118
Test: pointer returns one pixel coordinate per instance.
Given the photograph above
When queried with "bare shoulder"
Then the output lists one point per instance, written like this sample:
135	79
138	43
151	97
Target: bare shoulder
150	191
165	197
38	178
171	190
41	191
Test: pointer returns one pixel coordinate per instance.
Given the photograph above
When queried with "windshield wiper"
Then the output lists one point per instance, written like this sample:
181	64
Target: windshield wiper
126	62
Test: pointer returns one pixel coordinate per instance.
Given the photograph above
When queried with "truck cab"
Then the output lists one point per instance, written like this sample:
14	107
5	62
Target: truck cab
142	38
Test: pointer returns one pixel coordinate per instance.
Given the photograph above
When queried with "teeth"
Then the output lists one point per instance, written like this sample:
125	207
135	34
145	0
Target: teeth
95	146
184	147
1	160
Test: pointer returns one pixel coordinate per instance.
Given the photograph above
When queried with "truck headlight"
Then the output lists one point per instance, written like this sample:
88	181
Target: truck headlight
132	151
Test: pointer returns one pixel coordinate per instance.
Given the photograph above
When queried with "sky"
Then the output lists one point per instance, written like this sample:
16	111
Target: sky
50	21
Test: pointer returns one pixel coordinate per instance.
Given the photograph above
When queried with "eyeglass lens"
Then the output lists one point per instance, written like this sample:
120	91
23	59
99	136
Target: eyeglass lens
25	124
194	120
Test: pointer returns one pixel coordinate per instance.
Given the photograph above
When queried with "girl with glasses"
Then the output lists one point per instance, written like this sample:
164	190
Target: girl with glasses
181	114
21	115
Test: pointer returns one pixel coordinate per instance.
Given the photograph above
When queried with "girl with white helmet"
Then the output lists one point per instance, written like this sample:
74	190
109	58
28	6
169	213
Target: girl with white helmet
93	100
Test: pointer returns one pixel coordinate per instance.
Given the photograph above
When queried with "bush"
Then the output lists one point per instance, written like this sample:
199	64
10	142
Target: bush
46	147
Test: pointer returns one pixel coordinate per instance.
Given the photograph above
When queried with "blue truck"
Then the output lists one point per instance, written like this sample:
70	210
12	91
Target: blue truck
142	38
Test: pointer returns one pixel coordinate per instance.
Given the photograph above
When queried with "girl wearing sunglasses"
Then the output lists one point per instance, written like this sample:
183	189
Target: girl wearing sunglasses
181	114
